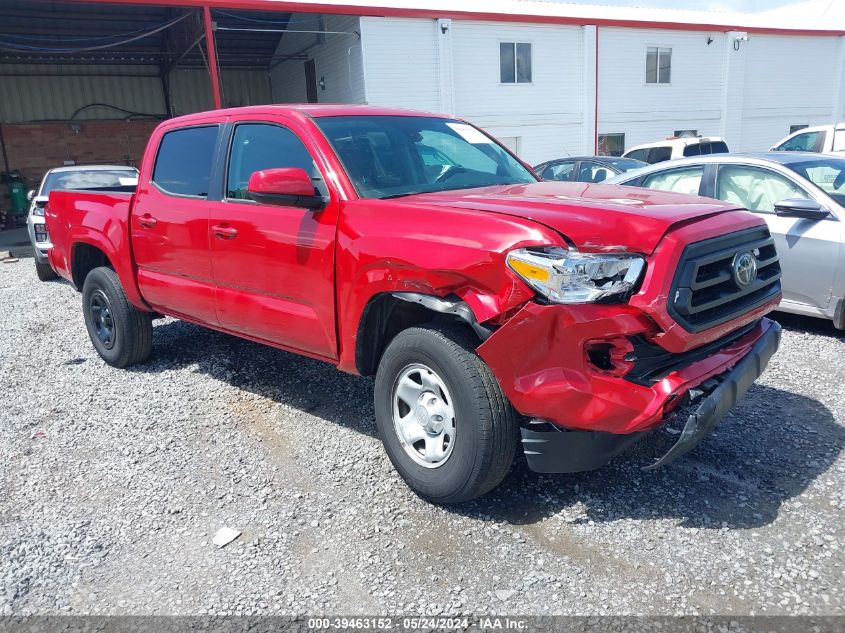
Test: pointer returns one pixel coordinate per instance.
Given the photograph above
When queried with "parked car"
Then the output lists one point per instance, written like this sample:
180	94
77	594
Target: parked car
488	305
586	168
801	196
99	177
673	148
824	139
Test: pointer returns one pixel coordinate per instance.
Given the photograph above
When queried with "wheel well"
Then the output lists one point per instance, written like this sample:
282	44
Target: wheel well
387	314
85	259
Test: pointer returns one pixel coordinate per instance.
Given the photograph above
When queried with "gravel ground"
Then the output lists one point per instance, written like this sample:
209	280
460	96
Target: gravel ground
114	482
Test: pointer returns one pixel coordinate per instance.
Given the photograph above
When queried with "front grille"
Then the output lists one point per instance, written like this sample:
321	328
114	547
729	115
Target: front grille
706	293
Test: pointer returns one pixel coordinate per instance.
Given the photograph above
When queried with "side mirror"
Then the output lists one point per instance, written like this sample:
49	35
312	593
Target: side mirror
286	187
41	200
30	195
801	208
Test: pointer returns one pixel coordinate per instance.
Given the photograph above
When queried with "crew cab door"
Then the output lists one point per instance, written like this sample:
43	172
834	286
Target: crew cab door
273	266
169	223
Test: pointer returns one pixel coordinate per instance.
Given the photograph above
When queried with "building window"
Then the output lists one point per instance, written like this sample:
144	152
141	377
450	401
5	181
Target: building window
658	65
686	133
611	144
795	128
515	62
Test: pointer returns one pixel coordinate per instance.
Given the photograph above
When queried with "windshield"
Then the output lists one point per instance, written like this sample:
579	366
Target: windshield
393	156
624	164
89	179
828	174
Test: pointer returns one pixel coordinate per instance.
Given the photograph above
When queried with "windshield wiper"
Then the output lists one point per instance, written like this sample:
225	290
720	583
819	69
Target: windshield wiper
443	189
402	195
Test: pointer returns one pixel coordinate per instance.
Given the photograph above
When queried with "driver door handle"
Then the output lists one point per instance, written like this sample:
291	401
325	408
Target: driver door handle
147	221
224	232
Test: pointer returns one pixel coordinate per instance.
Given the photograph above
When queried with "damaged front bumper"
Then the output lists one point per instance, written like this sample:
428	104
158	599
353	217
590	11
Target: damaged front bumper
585	415
554	450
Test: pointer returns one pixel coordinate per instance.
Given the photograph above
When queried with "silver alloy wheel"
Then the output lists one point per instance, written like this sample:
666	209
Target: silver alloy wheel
423	416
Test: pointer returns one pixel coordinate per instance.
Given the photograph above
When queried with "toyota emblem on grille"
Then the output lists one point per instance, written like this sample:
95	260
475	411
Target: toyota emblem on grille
744	269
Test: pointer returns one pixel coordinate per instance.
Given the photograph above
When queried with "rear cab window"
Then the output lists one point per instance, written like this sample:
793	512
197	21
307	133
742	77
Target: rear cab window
184	161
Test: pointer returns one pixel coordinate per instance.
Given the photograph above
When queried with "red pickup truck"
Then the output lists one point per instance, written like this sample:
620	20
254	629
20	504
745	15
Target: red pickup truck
493	309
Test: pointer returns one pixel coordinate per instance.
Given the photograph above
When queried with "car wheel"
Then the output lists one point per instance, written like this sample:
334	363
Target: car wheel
121	334
44	272
445	423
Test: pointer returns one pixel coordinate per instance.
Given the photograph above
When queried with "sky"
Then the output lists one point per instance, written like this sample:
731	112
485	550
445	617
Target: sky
720	5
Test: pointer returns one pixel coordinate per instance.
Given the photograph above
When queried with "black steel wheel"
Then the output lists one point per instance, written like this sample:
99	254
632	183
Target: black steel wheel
121	333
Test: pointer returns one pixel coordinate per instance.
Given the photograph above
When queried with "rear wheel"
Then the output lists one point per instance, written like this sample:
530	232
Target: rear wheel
121	334
445	423
44	272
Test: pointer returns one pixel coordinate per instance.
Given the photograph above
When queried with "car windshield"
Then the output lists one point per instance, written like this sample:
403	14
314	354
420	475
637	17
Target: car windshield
393	156
828	174
89	179
624	164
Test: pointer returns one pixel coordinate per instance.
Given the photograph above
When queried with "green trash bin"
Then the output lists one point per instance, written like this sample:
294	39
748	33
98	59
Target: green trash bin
17	197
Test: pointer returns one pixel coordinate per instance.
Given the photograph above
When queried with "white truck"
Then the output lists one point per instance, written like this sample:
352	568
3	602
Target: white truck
822	139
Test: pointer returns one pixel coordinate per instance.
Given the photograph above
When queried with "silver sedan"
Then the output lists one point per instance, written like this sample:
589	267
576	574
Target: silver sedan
800	195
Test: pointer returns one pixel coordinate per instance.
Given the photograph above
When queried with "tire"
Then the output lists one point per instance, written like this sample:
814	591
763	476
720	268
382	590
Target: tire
44	272
481	449
107	310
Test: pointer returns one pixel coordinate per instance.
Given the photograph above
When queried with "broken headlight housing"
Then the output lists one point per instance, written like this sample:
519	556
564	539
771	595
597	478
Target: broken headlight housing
567	276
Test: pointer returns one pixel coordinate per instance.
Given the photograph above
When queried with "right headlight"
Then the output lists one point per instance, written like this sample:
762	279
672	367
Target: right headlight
567	276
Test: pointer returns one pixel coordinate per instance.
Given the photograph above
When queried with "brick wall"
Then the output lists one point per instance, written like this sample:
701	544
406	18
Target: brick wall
33	148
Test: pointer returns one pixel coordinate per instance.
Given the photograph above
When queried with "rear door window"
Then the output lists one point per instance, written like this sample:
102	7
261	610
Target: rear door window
693	150
562	171
681	180
185	157
718	147
659	154
589	171
638	154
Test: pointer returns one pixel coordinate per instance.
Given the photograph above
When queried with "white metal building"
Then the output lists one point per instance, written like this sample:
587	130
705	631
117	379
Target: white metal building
748	77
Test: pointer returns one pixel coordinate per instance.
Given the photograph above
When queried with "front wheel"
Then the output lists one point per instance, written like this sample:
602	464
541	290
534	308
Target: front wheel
445	423
121	334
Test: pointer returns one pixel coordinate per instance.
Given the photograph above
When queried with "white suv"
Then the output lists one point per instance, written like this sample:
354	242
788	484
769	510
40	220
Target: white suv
677	147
